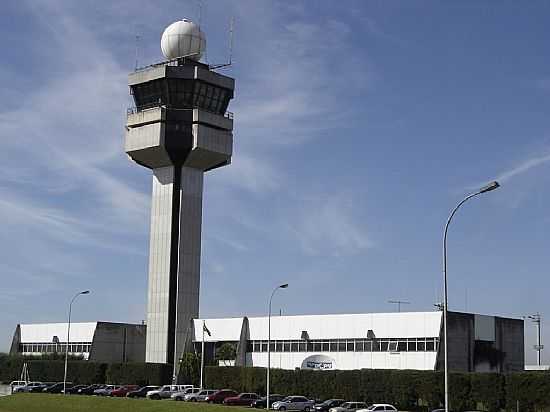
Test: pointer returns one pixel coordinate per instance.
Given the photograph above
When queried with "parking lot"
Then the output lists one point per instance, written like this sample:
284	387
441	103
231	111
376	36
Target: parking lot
185	394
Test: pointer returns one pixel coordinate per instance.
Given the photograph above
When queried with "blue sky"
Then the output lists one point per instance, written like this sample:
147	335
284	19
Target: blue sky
358	126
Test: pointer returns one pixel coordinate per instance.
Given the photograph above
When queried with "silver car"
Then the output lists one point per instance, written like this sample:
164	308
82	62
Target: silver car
26	388
349	407
166	391
379	407
293	403
200	396
180	396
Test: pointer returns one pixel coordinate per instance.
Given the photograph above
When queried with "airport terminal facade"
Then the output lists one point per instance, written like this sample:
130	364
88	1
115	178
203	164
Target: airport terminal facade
407	340
411	340
94	341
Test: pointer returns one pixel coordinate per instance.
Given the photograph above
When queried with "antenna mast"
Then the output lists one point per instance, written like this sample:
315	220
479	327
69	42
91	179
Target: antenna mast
137	51
230	62
231	26
399	303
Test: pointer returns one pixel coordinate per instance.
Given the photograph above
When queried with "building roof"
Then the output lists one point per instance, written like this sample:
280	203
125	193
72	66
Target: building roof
384	325
44	333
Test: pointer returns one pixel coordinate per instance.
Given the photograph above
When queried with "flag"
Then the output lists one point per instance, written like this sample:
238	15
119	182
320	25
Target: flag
205	329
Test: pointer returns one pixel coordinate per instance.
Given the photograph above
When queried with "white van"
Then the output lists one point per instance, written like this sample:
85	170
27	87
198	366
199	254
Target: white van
17	384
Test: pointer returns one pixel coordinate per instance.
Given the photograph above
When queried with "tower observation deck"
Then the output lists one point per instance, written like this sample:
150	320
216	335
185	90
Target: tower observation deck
180	129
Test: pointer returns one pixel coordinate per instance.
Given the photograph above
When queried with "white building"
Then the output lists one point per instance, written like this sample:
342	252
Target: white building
97	341
408	340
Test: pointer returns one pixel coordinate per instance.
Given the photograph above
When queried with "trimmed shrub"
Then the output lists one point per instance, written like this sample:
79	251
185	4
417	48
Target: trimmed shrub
52	370
138	373
487	391
531	389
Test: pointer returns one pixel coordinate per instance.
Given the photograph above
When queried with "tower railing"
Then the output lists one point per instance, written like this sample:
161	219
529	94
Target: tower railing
149	106
172	62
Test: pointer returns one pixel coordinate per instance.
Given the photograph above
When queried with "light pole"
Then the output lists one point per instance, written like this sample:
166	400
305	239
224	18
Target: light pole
491	186
68	338
538	347
284	286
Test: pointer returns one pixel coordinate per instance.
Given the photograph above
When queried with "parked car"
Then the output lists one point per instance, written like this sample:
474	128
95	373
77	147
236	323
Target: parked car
26	388
123	390
57	387
142	392
106	390
243	399
326	405
379	407
261	403
40	388
89	390
74	390
180	396
199	396
219	396
16	384
349	407
166	391
293	403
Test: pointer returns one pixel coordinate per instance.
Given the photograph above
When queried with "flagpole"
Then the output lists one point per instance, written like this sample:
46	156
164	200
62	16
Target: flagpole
202	352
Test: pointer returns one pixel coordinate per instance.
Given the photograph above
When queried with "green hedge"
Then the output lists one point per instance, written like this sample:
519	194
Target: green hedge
85	372
138	373
408	390
53	370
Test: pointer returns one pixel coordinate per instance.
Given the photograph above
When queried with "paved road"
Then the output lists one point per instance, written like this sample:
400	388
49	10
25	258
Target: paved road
5	390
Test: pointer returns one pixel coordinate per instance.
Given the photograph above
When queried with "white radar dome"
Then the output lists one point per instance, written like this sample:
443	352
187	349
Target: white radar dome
183	39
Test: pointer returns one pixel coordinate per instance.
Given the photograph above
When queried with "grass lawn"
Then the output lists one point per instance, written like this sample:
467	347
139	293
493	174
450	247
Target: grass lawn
59	403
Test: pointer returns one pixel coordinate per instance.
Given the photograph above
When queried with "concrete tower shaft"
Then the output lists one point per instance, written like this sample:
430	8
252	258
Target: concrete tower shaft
180	129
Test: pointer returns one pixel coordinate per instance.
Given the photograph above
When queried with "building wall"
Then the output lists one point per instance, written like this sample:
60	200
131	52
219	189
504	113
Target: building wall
108	342
480	343
347	360
14	349
476	342
510	341
118	342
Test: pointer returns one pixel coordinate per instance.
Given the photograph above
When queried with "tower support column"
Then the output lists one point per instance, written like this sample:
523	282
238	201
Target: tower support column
174	260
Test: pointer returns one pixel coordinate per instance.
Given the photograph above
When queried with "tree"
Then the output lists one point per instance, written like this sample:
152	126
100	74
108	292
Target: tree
190	366
226	354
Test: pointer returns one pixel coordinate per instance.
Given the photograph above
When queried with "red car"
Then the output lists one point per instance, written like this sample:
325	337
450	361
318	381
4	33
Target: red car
123	390
244	399
220	396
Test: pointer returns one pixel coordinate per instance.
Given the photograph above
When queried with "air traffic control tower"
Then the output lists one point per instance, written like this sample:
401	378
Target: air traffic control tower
180	129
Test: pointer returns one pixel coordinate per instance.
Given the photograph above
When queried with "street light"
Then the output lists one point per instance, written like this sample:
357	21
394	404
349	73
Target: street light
284	286
68	339
538	347
491	186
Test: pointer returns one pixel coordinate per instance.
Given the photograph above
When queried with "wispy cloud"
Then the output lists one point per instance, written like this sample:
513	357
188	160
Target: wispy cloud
524	167
329	225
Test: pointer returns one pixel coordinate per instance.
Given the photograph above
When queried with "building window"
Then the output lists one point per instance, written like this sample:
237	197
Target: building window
314	345
341	345
430	347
